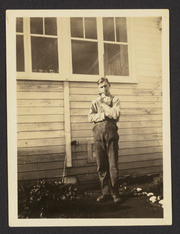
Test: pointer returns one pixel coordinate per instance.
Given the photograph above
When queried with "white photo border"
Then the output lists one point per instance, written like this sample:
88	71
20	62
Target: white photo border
12	119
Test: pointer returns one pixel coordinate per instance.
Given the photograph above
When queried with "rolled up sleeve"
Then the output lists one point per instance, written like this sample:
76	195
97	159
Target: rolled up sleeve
114	111
95	116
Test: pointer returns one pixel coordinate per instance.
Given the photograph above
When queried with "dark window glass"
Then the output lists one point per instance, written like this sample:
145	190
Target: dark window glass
116	59
85	57
19	24
108	29
121	31
44	54
90	28
37	25
77	27
50	26
19	53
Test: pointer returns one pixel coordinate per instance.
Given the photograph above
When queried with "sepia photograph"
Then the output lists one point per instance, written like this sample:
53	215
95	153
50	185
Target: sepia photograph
88	117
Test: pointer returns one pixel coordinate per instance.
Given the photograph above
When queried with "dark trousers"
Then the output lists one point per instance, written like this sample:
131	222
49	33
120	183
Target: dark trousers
106	149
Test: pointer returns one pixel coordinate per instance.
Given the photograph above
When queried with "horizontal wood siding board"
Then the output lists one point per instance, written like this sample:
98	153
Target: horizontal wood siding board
40	103
40	111
122	145
53	157
124	111
41	142
114	91
40	135
39	95
147	124
89	98
143	83
121	132
135	137
39	86
40	158
151	62
40	119
30	151
32	127
123	118
82	105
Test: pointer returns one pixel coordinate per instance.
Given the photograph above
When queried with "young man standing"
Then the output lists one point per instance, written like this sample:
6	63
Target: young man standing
104	113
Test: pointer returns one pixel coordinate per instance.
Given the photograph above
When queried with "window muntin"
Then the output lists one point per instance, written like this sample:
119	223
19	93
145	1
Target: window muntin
44	47
20	67
85	51
116	61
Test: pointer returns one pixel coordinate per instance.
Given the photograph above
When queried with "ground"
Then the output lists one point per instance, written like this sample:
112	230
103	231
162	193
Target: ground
130	207
57	200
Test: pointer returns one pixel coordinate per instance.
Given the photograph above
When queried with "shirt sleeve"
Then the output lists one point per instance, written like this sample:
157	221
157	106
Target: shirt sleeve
94	115
114	111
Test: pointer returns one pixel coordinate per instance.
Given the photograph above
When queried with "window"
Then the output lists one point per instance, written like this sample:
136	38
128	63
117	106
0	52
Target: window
76	48
44	48
115	47
84	46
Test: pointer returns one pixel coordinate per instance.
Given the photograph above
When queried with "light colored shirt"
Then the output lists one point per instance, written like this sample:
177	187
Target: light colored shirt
99	109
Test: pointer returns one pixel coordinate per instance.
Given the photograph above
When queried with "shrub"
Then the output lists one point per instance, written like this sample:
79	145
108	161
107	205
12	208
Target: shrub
45	196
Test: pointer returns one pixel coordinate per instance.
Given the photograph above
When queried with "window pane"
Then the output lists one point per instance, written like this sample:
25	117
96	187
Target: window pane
50	26
108	29
37	25
44	54
121	31
76	27
116	59
19	53
90	28
85	57
19	24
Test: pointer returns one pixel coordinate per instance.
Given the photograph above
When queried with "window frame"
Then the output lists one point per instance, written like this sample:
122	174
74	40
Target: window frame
65	54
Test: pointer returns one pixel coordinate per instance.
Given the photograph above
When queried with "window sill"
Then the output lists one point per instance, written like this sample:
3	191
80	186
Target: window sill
76	78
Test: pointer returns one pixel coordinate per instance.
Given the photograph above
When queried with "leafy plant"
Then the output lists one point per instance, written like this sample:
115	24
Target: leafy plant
44	197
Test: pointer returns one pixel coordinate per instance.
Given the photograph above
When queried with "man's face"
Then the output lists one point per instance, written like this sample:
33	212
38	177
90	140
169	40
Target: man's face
104	88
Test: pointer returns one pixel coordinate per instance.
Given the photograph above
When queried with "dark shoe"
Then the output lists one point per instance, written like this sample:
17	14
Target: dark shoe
116	199
103	198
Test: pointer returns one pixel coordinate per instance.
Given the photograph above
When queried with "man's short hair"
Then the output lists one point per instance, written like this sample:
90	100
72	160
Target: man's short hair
103	79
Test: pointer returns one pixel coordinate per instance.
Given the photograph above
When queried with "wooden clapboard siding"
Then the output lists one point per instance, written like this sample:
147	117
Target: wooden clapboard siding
40	110
40	117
